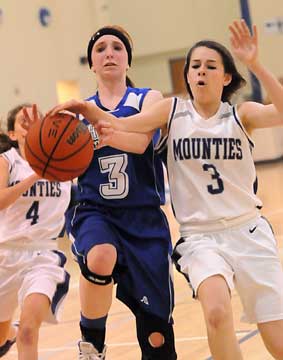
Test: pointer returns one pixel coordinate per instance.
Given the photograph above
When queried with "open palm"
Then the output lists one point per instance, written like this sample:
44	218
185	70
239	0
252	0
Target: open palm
244	44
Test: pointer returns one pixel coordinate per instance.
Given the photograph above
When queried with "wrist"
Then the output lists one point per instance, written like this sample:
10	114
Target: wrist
255	66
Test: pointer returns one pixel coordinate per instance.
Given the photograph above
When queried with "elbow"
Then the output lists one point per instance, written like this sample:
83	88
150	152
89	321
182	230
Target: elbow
142	148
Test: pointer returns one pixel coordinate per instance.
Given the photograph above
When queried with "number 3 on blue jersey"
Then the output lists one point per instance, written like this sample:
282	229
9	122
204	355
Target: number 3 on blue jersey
118	185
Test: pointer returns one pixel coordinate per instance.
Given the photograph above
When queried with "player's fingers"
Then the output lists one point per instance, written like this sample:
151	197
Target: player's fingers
234	35
255	34
27	119
245	28
35	114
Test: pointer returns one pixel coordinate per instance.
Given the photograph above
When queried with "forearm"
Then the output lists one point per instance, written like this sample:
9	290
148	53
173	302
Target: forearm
153	118
93	113
272	86
130	142
10	194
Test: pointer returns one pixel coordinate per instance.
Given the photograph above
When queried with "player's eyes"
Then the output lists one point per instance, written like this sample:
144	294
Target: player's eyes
195	66
100	49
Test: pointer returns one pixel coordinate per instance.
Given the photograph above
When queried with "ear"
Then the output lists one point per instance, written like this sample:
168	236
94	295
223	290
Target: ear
92	69
227	79
12	135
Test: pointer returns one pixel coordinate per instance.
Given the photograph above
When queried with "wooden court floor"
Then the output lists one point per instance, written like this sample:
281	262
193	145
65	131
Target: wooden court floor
59	342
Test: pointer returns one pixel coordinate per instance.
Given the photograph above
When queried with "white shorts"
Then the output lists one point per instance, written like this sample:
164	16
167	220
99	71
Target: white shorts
247	257
24	272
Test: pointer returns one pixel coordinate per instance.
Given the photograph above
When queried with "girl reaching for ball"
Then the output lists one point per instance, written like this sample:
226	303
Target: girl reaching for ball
119	232
32	269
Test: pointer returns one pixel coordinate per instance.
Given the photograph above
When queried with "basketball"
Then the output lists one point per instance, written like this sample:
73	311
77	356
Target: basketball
59	147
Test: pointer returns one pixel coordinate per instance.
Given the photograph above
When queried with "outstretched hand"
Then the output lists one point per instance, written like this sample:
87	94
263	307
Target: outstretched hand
244	44
74	106
31	115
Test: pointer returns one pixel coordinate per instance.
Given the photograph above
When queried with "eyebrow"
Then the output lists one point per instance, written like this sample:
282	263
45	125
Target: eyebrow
115	42
208	60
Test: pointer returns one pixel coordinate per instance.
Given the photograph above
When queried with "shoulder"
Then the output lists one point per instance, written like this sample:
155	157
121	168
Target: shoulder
152	97
248	113
6	160
181	105
10	155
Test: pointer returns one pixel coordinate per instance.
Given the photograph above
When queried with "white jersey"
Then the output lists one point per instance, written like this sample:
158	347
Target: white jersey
37	216
210	165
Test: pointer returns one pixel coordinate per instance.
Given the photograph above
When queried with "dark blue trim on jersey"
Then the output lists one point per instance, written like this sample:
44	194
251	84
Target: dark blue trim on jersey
62	288
121	102
242	128
172	114
161	145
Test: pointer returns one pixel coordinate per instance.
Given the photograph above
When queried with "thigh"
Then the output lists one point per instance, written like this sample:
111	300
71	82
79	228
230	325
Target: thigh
92	227
271	333
12	267
200	258
214	293
48	277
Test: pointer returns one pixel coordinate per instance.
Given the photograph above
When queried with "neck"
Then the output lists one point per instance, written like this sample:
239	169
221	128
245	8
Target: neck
111	92
206	110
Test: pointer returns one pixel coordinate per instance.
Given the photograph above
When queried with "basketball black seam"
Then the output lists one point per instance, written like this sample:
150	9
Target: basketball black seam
33	153
56	144
74	152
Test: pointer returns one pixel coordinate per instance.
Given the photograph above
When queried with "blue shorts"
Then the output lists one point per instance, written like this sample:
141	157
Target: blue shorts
143	271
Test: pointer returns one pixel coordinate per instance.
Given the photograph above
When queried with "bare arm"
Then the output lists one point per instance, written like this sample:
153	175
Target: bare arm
153	118
245	48
9	194
130	141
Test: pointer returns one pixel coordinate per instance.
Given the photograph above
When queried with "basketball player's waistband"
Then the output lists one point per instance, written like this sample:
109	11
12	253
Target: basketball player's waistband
218	225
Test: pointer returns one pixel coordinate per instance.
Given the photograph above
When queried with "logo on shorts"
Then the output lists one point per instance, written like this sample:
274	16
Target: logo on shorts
252	230
145	300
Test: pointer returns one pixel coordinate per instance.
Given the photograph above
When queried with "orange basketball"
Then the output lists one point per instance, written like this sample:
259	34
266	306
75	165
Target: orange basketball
59	147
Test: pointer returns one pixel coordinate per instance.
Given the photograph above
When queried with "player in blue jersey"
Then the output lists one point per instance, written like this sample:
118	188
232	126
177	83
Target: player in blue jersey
225	242
119	232
32	271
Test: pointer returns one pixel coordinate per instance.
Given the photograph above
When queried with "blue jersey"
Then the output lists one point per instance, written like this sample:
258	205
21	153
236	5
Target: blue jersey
117	178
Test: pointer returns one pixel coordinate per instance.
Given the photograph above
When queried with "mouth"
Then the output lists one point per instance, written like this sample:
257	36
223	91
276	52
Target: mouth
109	64
201	83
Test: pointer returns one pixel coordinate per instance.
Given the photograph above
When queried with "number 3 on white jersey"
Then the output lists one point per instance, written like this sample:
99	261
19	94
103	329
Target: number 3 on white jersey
118	185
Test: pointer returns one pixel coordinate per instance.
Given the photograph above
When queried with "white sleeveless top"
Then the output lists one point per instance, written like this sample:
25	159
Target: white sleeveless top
211	170
37	216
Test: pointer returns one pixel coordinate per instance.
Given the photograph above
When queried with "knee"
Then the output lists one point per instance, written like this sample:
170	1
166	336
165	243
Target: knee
101	259
27	333
156	339
217	316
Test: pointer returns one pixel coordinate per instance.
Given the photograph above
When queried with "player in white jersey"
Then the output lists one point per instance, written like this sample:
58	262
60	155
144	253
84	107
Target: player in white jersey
225	242
32	271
